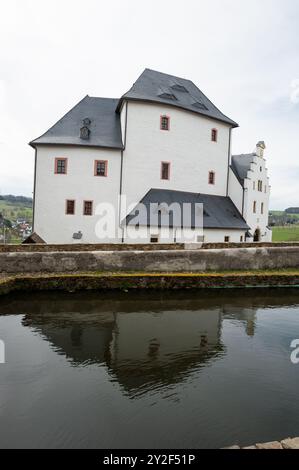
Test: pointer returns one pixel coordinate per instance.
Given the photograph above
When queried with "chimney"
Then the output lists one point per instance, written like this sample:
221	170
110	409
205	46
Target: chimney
260	148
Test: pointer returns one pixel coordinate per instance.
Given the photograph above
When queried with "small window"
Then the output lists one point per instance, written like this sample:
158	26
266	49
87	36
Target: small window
265	189
211	177
226	239
164	123
261	168
60	166
154	238
214	135
87	207
262	208
100	168
70	207
241	238
260	186
254	207
165	171
254	186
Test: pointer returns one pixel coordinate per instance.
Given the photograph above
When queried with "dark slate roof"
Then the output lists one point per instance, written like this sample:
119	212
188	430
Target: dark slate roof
163	88
219	211
241	165
104	127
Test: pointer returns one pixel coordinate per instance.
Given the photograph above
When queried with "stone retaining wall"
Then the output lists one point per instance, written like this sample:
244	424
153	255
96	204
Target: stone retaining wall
123	281
180	261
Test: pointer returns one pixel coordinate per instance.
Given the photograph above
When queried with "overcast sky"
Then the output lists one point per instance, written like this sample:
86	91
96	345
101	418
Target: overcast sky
242	55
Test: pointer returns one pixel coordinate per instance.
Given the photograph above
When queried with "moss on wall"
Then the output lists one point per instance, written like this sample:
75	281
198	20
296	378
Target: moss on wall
128	281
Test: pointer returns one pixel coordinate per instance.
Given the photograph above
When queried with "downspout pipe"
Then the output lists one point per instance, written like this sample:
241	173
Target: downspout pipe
228	159
121	171
34	190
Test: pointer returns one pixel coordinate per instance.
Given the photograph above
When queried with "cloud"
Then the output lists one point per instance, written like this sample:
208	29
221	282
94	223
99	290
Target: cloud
243	55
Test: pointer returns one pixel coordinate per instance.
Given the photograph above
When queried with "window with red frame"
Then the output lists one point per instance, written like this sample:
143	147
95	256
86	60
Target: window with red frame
60	166
100	168
165	171
211	177
164	123
87	208
70	207
214	135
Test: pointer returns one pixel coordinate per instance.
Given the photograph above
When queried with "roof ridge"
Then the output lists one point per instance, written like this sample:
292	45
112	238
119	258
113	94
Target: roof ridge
101	98
146	89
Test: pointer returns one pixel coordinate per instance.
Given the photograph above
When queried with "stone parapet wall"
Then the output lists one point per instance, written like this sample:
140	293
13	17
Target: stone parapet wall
44	248
176	261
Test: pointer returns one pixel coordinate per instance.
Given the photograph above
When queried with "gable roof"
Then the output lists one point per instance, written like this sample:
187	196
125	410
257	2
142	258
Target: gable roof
241	164
104	125
160	87
33	238
219	211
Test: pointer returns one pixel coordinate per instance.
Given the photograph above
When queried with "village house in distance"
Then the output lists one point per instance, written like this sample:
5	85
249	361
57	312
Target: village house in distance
162	142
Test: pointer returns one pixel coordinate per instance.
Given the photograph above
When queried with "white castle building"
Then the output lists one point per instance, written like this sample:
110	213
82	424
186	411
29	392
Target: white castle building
162	143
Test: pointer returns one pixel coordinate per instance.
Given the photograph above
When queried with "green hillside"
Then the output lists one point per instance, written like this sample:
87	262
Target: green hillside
13	211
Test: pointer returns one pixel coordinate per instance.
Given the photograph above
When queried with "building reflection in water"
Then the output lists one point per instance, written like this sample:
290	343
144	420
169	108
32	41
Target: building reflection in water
144	340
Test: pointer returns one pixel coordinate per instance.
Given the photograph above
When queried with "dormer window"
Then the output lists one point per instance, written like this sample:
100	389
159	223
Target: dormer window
214	135
199	105
165	123
166	93
178	87
84	133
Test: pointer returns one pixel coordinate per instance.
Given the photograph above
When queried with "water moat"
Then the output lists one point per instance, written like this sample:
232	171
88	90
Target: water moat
192	369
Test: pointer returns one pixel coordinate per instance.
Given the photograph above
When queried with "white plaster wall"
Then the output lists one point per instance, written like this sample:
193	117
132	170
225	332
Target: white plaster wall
80	184
235	190
143	235
217	236
257	172
187	146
